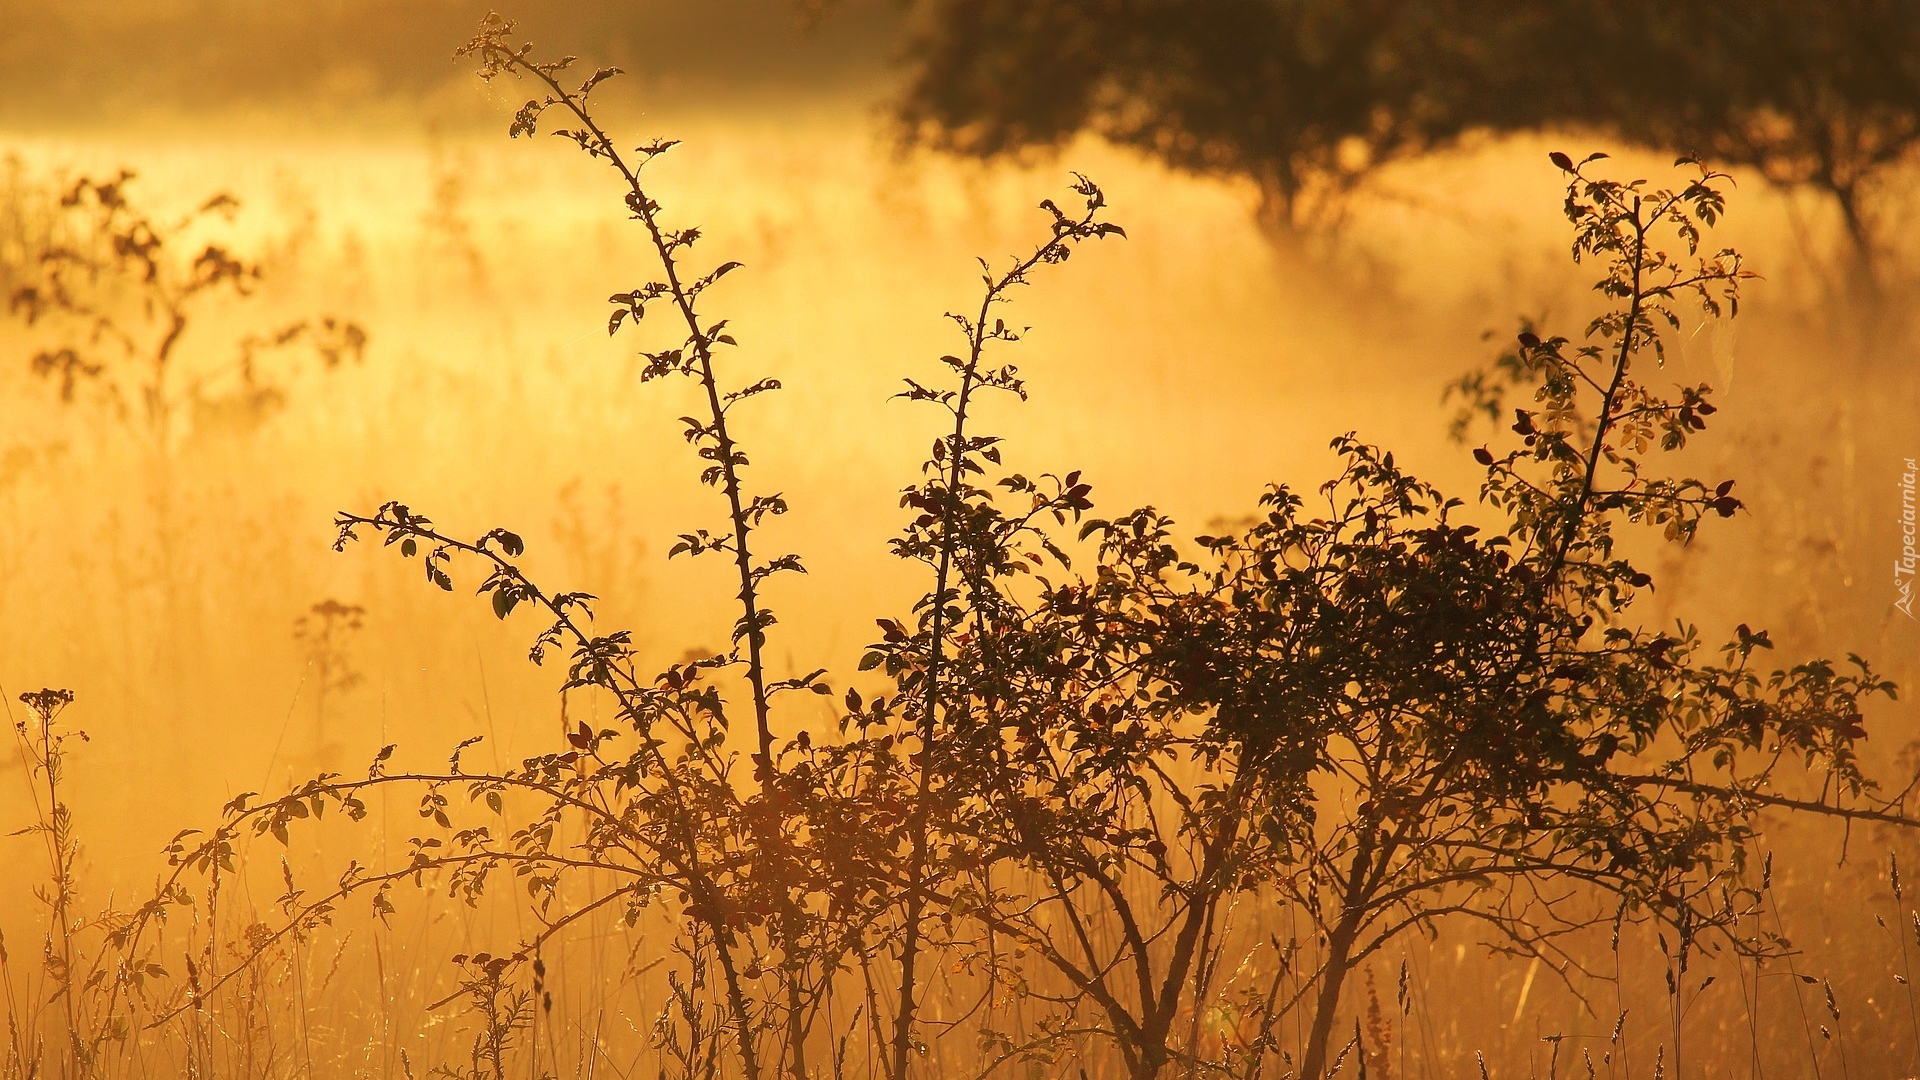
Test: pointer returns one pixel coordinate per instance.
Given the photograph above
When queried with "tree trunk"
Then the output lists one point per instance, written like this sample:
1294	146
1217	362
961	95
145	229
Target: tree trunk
1152	1059
1863	277
796	1024
1327	1005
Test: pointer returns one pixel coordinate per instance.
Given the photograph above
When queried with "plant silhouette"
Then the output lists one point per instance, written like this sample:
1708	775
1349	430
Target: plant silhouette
120	295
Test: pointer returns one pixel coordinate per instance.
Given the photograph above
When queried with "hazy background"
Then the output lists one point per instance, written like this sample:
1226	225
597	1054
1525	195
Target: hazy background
1187	367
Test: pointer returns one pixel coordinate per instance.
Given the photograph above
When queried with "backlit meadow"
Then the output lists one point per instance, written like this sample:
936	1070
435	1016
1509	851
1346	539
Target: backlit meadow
320	414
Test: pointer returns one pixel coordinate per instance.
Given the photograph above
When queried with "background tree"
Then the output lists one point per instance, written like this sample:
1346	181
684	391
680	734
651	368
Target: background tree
1307	98
1822	96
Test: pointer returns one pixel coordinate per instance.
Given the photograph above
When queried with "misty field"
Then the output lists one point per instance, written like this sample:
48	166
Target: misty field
720	593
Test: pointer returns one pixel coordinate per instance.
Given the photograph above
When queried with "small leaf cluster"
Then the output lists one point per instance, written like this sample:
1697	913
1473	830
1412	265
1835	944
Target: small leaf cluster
117	298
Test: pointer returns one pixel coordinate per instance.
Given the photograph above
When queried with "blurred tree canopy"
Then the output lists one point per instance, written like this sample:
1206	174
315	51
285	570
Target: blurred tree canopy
1309	97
